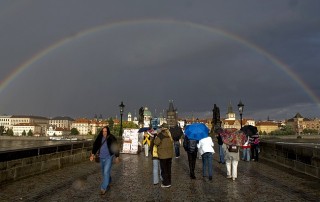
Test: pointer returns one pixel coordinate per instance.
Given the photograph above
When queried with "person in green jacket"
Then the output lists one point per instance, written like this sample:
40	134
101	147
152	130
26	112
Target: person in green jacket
164	144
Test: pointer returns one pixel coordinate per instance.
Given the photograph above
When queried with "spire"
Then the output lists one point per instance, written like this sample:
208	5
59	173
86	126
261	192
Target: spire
230	110
171	108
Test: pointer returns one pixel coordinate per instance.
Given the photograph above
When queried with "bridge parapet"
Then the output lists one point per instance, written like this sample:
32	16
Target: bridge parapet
299	158
17	164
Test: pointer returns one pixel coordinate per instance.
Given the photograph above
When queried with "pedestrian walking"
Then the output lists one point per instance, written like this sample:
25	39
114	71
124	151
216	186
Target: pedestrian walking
231	153
176	133
246	150
205	147
155	159
164	145
106	144
190	146
255	147
221	152
146	143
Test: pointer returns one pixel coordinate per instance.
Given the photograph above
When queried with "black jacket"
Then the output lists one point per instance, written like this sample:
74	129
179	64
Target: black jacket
190	146
111	140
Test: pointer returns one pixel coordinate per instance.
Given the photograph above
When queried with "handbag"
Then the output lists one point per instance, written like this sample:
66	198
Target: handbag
233	148
97	155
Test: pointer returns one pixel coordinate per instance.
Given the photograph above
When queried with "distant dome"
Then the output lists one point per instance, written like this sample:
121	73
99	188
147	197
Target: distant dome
146	112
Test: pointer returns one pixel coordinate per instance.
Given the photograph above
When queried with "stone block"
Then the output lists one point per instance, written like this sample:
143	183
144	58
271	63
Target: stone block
280	160
6	175
3	165
77	146
311	170
28	170
289	163
299	166
77	151
66	161
31	160
315	161
77	158
65	153
52	164
14	163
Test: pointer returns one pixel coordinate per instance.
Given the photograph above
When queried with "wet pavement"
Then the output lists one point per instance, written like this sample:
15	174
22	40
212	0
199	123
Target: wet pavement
132	181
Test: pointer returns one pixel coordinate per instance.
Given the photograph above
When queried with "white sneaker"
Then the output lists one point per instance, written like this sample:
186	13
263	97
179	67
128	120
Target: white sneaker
228	176
233	178
165	186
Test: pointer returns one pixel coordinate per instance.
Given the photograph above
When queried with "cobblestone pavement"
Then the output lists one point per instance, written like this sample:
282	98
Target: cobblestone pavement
132	181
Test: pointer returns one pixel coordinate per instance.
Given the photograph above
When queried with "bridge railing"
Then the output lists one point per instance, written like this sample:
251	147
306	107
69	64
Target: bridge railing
304	159
17	164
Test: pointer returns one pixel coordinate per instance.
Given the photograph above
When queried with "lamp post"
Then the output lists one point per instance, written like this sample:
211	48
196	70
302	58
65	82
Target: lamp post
240	108
121	113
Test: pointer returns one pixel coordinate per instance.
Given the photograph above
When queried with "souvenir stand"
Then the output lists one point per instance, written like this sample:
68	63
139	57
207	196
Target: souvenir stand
130	139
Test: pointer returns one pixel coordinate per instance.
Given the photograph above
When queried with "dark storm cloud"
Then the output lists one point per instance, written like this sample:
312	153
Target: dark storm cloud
150	62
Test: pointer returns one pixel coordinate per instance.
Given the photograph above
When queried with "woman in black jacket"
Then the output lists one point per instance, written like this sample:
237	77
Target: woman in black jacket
190	146
106	145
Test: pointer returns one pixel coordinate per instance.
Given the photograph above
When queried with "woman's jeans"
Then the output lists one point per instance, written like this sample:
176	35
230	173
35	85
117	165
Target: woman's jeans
106	164
177	148
246	154
207	164
156	169
221	154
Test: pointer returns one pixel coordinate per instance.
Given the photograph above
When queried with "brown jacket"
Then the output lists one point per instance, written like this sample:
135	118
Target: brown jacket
165	144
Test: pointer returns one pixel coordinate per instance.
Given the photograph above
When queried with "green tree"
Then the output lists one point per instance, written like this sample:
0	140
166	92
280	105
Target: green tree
24	133
30	133
74	131
129	124
10	132
311	131
110	124
286	130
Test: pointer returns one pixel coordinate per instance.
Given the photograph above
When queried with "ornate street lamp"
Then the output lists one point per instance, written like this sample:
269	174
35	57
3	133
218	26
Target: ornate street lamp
121	113
240	108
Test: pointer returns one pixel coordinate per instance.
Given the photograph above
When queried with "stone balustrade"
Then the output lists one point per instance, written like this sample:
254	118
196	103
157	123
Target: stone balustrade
299	158
17	164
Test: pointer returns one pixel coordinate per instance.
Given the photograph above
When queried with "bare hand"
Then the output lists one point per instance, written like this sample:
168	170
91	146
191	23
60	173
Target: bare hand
91	157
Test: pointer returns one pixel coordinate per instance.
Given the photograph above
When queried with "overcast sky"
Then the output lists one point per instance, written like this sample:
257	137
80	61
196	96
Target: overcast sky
79	58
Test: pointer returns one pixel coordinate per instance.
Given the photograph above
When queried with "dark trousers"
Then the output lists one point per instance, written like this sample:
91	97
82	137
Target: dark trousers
165	165
177	148
255	152
192	157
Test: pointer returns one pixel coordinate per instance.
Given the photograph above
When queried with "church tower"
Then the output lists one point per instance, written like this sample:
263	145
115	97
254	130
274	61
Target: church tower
129	117
172	117
230	114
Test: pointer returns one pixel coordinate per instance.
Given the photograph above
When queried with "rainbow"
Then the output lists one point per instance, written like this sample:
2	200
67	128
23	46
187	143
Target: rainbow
41	54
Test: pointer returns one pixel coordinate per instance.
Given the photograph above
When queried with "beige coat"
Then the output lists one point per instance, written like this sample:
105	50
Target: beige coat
165	144
230	155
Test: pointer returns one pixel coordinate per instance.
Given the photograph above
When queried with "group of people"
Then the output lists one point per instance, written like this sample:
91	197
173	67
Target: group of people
163	146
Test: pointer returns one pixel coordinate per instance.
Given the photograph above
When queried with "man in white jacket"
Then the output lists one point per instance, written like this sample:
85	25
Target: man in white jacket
206	151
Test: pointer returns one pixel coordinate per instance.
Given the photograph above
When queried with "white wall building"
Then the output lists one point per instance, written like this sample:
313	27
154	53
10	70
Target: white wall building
19	128
61	122
5	121
55	131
